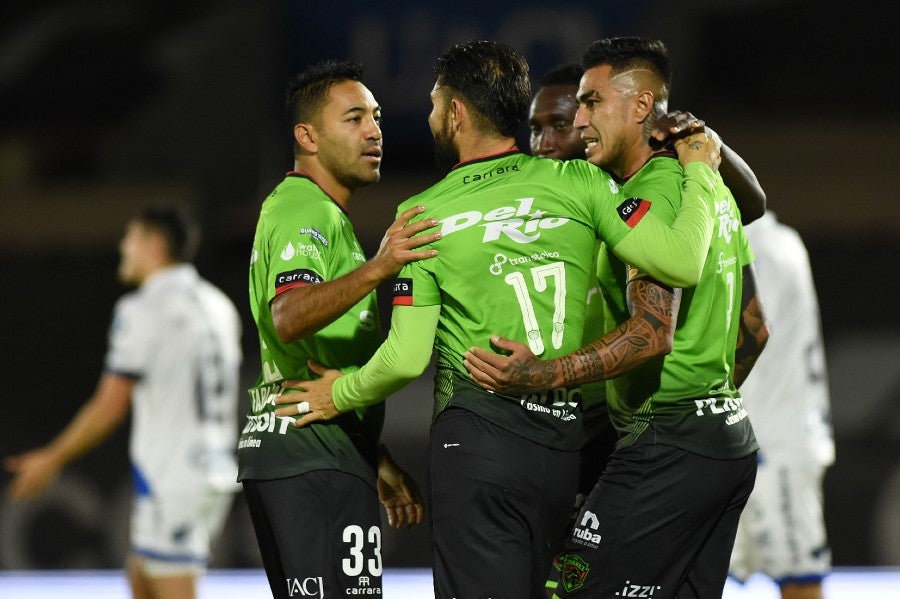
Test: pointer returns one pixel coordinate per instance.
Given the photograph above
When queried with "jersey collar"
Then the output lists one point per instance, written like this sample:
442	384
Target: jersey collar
509	152
311	180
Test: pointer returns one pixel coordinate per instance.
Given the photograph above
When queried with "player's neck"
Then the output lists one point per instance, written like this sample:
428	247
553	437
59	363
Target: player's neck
636	156
326	181
481	147
152	270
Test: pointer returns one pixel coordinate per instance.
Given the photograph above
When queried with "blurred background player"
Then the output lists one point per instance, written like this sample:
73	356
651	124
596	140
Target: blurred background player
174	356
782	530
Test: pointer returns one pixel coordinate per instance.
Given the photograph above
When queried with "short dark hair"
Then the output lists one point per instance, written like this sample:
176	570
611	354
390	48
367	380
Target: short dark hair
181	232
625	53
308	90
564	74
493	78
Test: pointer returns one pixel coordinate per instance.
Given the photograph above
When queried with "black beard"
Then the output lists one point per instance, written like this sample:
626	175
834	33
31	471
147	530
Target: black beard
446	156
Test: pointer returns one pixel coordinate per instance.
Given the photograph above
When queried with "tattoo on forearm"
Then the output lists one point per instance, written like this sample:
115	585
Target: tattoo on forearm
646	335
527	375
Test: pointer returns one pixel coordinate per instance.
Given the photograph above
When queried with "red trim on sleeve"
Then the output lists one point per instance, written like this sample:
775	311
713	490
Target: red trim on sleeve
638	214
283	288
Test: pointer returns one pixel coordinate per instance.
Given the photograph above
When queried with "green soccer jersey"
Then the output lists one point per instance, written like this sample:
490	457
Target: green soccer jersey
597	322
303	237
515	260
687	399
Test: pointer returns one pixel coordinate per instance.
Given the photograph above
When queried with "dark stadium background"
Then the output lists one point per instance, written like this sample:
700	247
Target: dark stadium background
106	105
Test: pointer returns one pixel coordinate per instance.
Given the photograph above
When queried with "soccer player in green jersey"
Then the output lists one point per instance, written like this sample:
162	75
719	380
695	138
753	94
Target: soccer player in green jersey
518	236
552	112
685	461
553	135
312	491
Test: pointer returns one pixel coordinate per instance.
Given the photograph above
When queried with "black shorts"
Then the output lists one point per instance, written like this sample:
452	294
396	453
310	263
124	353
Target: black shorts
319	533
600	444
660	523
498	501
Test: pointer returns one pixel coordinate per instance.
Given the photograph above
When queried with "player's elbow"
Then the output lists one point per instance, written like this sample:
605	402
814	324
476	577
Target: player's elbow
292	318
686	276
665	340
762	337
666	346
409	370
289	330
283	334
680	269
286	334
651	337
754	209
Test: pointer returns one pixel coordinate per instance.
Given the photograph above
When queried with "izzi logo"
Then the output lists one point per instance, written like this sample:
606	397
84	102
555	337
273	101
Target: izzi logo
638	590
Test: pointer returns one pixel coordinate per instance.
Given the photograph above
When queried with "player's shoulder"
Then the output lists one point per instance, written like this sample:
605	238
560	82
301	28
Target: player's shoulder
297	200
568	168
576	174
661	168
293	192
220	301
659	179
413	201
665	161
214	291
132	308
769	229
130	300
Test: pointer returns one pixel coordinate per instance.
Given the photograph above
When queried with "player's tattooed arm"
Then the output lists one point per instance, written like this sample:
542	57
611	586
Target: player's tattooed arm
647	334
752	330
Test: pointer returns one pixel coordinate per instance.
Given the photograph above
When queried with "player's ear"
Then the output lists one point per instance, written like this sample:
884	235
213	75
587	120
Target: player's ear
643	104
306	137
459	113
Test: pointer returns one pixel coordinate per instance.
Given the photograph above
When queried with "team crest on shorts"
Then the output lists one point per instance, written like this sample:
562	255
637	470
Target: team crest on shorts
573	570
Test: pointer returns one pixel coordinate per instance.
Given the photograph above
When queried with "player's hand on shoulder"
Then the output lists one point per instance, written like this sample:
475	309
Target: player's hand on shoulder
673	125
698	147
401	240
